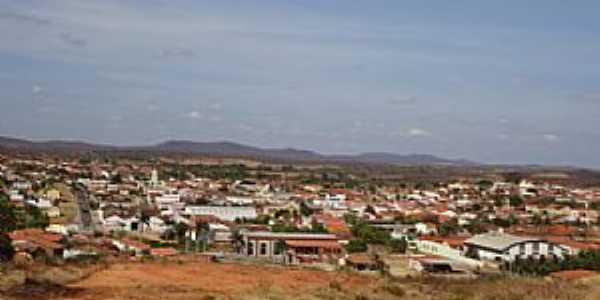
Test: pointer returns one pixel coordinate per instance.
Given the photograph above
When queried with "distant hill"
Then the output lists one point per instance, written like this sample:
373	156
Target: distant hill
50	146
229	149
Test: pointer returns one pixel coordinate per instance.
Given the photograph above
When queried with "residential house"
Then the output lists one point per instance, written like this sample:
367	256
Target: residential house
293	248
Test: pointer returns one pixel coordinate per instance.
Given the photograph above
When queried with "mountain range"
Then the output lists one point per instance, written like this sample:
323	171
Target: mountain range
227	149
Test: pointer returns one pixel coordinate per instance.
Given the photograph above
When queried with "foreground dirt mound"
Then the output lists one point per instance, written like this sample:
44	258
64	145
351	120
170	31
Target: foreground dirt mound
213	281
193	280
34	290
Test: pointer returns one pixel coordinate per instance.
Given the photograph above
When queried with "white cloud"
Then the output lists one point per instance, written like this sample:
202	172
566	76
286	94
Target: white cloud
36	89
502	136
551	137
195	115
216	106
418	132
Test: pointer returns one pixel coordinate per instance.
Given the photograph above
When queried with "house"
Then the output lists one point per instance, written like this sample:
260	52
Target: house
502	247
36	241
210	229
117	223
156	224
425	228
292	248
131	246
53	194
53	212
58	228
363	262
163	252
22	185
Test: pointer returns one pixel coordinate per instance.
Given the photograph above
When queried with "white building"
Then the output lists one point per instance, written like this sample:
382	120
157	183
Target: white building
332	201
501	247
225	213
156	224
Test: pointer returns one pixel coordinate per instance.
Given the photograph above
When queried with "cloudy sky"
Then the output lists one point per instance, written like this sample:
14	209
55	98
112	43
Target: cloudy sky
491	81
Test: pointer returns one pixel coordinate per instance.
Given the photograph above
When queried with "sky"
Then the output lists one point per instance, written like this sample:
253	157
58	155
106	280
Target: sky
490	81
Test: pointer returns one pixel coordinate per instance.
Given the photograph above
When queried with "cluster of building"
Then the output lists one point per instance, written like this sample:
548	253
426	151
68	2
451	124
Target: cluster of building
130	205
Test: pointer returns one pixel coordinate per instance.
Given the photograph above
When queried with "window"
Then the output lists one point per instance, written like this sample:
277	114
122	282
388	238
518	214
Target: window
250	248
522	249
536	247
263	248
550	248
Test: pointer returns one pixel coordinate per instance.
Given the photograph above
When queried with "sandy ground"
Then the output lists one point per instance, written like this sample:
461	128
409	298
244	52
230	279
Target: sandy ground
162	280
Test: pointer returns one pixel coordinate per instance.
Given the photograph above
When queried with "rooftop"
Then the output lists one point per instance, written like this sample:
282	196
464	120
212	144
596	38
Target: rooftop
290	236
497	240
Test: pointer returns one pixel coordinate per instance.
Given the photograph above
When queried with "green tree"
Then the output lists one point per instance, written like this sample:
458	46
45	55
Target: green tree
516	201
117	179
318	228
485	184
305	210
238	240
8	218
370	209
6	249
180	229
448	228
398	245
33	217
8	223
355	246
280	247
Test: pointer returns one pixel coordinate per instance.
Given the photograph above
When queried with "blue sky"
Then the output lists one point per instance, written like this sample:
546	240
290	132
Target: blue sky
498	82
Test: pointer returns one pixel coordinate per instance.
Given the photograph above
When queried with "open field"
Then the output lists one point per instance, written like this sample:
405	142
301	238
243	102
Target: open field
195	280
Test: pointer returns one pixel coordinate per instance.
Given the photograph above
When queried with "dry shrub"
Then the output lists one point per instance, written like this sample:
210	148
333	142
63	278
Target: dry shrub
394	290
335	285
361	297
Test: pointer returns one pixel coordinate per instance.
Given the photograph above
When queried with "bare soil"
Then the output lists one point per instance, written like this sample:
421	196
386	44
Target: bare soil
193	280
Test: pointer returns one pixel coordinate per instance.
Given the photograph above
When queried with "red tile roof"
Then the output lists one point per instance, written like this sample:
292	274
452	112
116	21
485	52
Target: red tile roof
37	238
136	244
163	251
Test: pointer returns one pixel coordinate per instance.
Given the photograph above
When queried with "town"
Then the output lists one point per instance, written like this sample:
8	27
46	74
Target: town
237	210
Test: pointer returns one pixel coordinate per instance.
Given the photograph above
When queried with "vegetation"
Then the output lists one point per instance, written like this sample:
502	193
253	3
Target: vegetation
449	228
364	234
285	227
516	201
356	245
232	172
586	260
6	249
8	223
8	219
31	217
305	210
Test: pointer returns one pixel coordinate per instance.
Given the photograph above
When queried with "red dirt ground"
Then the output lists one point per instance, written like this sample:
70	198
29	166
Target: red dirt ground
189	280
